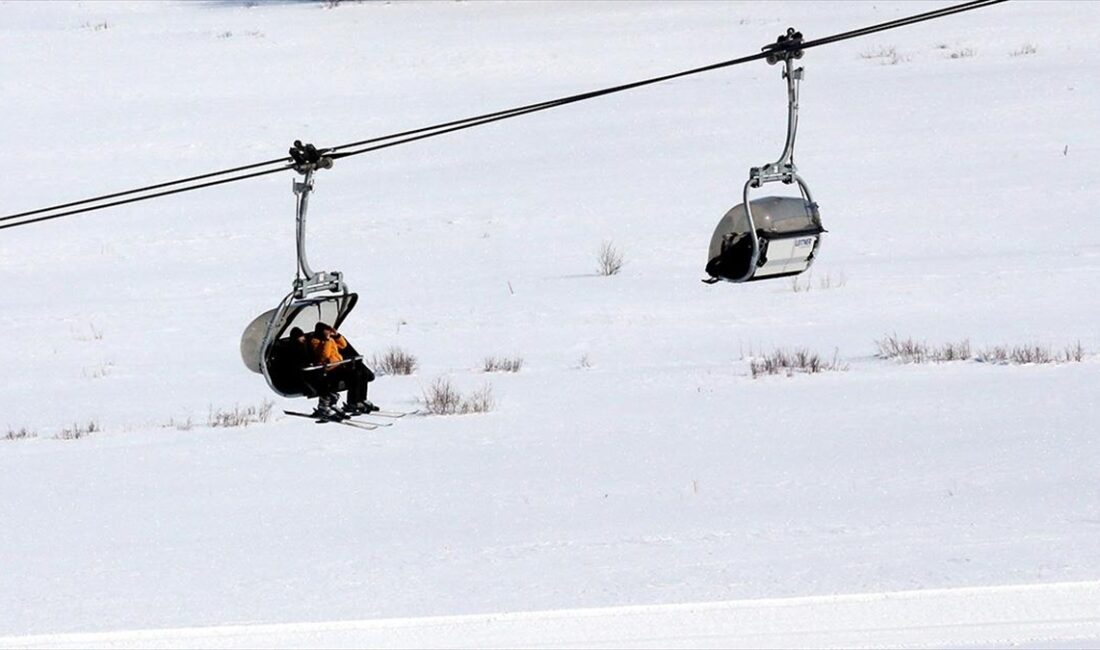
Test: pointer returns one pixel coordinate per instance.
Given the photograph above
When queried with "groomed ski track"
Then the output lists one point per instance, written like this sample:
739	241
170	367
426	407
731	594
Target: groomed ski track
1044	615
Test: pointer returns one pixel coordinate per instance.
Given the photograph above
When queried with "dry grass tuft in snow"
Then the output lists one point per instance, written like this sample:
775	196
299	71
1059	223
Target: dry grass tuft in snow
76	432
395	361
1074	353
479	401
442	398
240	417
610	259
909	351
962	53
881	52
502	364
782	362
1030	354
23	433
1024	50
885	55
182	425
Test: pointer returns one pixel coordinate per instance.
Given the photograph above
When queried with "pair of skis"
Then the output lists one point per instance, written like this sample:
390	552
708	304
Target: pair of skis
351	422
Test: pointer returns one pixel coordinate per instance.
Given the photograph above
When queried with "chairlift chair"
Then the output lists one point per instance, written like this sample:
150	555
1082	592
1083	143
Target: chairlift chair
773	236
266	346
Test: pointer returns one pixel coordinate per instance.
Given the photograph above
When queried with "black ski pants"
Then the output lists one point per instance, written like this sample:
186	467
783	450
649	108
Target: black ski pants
355	375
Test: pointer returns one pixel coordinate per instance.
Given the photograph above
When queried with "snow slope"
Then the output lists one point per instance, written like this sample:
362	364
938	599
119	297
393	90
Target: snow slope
632	461
1031	616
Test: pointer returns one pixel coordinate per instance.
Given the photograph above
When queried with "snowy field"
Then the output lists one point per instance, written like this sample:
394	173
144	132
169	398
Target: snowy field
634	461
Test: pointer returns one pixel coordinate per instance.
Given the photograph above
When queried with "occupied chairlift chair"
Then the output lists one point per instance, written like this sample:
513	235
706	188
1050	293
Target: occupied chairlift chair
266	346
774	236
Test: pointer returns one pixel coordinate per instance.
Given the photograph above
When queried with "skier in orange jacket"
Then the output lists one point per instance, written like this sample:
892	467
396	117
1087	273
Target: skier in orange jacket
326	345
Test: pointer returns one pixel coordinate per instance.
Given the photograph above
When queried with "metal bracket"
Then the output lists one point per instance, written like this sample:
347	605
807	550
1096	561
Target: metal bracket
786	48
309	159
783	169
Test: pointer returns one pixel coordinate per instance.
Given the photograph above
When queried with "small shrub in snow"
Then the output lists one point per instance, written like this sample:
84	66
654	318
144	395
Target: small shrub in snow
584	362
182	425
20	434
904	350
884	55
76	432
610	259
952	351
995	354
1024	50
782	362
880	52
240	417
1073	353
395	361
502	364
1030	354
964	53
442	398
909	351
480	401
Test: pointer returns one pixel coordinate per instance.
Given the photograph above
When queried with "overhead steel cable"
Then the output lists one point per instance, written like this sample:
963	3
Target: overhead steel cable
135	199
147	188
388	141
404	137
470	122
901	22
448	127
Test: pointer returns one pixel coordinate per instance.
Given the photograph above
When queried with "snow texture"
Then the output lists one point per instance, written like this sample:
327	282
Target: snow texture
632	461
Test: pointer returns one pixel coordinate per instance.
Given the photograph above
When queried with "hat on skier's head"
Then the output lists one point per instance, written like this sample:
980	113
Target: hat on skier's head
320	328
296	332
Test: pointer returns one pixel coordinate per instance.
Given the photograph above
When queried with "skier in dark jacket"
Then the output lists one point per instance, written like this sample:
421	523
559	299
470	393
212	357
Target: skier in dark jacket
313	378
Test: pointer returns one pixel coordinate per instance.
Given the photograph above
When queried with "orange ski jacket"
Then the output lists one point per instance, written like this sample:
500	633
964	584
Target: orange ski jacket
327	352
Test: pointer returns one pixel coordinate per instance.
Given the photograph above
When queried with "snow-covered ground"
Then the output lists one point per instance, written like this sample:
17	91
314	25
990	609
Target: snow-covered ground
633	461
1033	616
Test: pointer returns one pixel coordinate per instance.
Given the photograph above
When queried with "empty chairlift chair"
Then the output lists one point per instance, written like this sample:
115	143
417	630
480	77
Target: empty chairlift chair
773	236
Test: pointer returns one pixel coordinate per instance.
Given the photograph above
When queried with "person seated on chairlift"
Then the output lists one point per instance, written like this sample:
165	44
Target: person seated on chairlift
326	344
300	357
